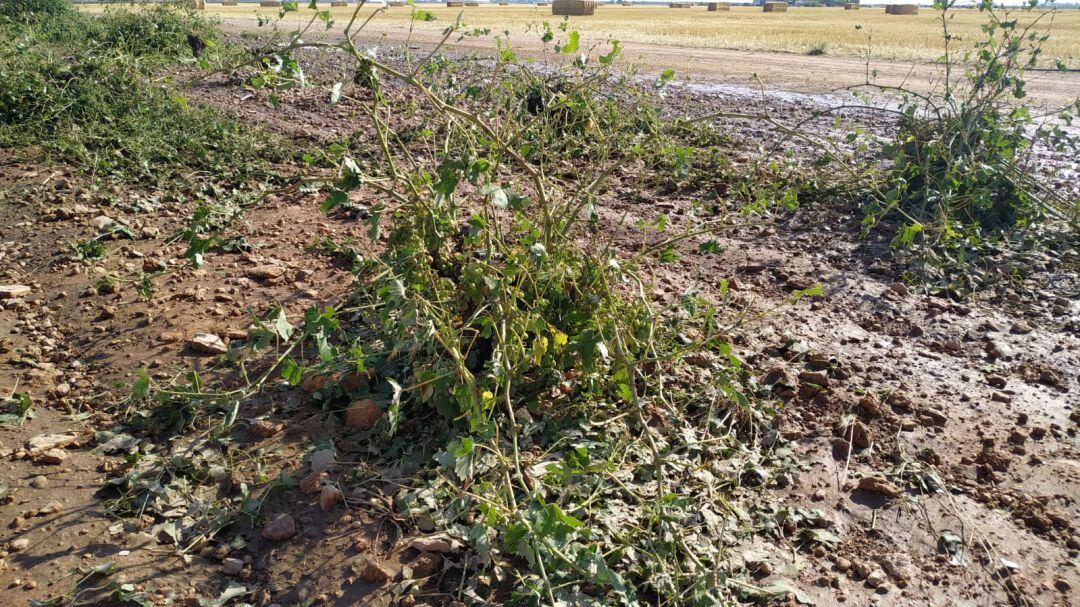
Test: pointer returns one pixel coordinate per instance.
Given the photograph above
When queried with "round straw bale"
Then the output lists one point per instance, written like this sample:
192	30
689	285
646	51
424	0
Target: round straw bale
573	7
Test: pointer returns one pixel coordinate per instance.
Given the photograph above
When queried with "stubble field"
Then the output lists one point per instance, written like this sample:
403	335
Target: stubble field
801	30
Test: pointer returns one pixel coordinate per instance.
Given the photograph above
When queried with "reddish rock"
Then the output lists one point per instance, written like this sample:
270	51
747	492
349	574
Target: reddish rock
329	497
877	484
313	383
312	483
376	571
363	414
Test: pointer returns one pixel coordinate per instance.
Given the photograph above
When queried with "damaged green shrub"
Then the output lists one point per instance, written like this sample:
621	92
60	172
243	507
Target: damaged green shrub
961	171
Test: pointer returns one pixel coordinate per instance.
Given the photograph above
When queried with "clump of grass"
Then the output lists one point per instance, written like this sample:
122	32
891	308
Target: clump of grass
817	50
79	89
28	11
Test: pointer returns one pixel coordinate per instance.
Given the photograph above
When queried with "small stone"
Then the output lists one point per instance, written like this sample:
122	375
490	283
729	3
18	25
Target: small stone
13	291
843	564
899	288
39	482
818	378
101	222
993	458
934	417
52	457
877	484
856	433
869	405
46	442
265	272
876	578
430	544
899	401
265	428
329	497
1020	328
996	381
778	376
761	568
363	414
376	571
313	383
280	528
231	566
426	565
19	545
208	343
312	483
898	566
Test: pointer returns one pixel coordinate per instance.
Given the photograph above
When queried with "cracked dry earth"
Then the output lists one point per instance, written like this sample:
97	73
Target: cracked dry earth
886	389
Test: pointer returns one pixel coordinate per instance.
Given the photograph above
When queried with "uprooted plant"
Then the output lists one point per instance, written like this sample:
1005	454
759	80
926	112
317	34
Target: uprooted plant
962	171
540	409
959	179
81	89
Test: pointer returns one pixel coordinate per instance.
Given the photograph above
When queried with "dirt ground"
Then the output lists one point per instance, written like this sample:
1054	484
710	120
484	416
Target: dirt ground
979	399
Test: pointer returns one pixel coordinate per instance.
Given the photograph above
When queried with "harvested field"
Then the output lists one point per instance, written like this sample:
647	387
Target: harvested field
917	37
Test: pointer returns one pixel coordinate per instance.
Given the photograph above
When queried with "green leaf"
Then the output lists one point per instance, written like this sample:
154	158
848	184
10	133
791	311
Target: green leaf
291	371
812	291
17	410
609	58
333	199
668	255
141	388
571	45
710	247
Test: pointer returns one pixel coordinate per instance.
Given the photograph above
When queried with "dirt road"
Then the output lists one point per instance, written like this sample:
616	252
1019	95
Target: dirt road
778	71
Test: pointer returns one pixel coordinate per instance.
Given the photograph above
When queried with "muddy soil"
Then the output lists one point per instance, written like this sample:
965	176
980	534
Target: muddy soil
977	400
779	72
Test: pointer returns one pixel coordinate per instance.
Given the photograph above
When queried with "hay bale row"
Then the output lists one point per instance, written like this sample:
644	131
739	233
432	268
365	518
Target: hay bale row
454	3
719	6
774	7
902	9
543	4
228	3
680	5
270	3
473	4
338	3
851	6
395	3
573	7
